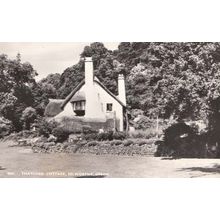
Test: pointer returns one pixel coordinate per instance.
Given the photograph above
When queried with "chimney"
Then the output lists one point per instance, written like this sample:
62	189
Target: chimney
88	71
121	88
92	106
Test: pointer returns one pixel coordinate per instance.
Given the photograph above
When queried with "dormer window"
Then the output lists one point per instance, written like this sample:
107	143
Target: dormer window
78	103
79	108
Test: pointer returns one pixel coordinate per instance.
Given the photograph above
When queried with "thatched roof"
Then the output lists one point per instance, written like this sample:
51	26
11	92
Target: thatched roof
53	108
79	96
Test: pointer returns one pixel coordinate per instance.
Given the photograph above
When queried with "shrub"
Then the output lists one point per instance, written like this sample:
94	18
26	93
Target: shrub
162	149
82	143
176	131
107	135
61	134
116	142
92	143
92	136
5	127
181	140
119	135
144	122
149	133
141	142
52	138
86	129
106	145
45	127
28	117
104	136
128	142
137	112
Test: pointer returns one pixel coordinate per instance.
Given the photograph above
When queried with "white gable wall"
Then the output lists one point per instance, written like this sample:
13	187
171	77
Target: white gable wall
116	106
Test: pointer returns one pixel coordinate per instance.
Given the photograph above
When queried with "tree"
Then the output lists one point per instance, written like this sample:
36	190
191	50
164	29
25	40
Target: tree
7	104
28	117
15	92
52	79
70	78
5	127
173	78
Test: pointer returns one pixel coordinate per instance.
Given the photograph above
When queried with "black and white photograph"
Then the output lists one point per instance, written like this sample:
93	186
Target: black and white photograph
110	109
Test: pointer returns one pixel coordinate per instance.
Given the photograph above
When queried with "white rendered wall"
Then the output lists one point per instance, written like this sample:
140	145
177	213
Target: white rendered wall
116	106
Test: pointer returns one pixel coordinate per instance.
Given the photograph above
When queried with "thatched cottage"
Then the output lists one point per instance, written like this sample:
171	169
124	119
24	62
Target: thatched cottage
92	103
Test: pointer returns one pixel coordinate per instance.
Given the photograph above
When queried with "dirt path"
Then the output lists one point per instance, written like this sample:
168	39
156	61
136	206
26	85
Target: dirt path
22	162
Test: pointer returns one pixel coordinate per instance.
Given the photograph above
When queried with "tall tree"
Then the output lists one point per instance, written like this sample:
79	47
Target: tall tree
15	92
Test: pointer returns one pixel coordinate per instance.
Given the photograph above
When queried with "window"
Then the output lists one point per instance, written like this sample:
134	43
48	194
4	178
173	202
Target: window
109	107
79	105
79	108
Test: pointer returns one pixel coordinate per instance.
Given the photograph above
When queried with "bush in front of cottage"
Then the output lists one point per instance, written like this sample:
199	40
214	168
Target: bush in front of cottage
61	134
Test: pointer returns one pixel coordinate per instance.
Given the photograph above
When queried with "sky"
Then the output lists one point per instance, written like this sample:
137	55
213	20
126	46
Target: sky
48	58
